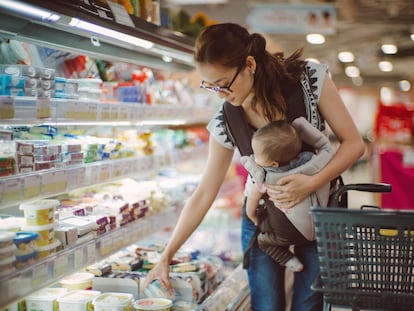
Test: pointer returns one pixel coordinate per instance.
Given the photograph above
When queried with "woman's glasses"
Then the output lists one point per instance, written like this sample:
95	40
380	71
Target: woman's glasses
223	89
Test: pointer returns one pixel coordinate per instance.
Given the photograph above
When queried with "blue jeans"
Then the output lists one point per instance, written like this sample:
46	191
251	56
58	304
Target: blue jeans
267	277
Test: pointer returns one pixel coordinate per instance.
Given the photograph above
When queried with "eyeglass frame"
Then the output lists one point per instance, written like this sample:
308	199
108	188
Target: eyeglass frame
224	89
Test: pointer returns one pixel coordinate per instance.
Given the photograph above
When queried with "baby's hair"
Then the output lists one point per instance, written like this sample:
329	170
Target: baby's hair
280	141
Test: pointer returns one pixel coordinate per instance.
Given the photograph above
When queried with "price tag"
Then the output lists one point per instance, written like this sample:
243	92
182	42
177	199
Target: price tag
31	186
79	258
54	182
91	249
118	239
60	265
6	108
105	172
124	113
105	112
40	274
43	108
117	168
106	245
12	189
120	14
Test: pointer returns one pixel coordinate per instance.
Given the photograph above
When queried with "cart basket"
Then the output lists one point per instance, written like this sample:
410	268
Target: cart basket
366	257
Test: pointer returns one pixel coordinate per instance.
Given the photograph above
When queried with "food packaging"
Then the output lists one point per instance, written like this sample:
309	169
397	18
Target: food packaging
44	299
40	212
77	300
113	302
78	281
152	304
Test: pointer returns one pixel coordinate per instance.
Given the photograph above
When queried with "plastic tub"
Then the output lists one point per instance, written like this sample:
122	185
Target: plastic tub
77	300
44	299
7	252
152	304
41	212
78	281
114	302
44	251
6	238
25	242
46	233
6	266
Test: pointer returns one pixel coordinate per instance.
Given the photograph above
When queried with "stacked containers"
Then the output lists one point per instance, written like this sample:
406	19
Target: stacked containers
44	299
7	256
40	219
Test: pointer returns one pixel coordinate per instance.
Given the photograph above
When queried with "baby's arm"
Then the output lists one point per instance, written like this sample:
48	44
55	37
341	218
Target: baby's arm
252	203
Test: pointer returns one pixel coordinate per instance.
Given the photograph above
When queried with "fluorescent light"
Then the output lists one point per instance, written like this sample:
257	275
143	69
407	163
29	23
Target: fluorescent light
385	66
389	48
352	71
346	57
77	23
412	36
167	59
315	38
29	10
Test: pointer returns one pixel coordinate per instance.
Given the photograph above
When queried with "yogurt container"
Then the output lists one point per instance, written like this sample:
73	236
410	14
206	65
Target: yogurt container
77	300
6	238
7	252
44	299
25	242
114	302
46	233
44	251
152	304
6	266
78	281
40	212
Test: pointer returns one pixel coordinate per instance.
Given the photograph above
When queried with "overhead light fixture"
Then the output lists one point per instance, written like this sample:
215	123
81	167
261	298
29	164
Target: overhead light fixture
385	66
389	48
29	10
352	71
80	24
404	85
346	56
315	38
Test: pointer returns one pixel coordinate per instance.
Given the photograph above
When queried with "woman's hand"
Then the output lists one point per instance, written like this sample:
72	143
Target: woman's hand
160	272
290	190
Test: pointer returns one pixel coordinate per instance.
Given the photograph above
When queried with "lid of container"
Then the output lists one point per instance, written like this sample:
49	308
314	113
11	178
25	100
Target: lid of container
39	228
6	236
153	304
48	247
26	257
76	296
40	204
113	299
12	223
24	237
47	293
77	278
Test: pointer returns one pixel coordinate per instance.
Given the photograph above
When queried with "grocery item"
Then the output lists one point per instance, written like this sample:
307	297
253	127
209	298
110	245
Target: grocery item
46	233
77	300
6	238
44	299
78	281
113	302
152	304
40	212
44	251
25	242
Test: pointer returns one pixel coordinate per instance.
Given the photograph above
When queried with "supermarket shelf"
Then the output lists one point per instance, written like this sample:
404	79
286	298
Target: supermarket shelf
18	284
46	183
30	110
38	28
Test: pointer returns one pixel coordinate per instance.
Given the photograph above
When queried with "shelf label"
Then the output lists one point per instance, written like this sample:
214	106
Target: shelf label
82	110
12	189
79	258
31	187
120	14
105	172
43	108
75	177
6	108
60	265
91	252
40	274
105	112
106	245
117	168
54	182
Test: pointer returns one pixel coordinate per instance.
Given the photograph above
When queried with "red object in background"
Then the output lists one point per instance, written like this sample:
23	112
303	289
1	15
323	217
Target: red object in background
401	178
394	123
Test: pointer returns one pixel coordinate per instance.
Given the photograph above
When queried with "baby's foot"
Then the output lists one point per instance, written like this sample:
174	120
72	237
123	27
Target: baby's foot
294	264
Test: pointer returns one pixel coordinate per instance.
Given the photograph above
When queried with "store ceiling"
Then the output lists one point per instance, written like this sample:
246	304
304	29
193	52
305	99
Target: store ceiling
361	27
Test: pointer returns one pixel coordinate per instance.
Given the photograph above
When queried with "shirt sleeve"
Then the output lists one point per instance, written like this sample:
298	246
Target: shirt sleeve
218	130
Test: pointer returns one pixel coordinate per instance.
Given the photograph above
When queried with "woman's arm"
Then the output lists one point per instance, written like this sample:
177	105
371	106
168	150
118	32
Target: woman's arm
252	203
218	162
294	188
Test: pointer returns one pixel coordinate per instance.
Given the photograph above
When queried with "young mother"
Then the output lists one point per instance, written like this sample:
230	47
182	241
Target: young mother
236	65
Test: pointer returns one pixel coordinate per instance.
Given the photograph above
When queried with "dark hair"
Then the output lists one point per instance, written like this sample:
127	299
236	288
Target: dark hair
229	44
280	140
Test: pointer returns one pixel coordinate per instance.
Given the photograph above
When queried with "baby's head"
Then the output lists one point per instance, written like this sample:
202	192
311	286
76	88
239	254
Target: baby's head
276	144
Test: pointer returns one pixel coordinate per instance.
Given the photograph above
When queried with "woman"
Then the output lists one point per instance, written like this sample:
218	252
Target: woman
236	65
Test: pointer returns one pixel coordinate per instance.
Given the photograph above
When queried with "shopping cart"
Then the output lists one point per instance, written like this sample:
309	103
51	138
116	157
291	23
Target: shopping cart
366	255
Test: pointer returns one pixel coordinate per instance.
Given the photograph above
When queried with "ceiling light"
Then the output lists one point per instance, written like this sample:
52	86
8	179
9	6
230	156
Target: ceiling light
346	57
385	66
77	23
404	85
315	38
389	48
352	71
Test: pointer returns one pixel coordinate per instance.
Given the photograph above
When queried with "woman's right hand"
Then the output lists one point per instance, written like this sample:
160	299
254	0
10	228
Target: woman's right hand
160	272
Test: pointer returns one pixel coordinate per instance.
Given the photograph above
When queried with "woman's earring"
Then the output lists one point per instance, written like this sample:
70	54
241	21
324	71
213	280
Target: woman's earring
252	72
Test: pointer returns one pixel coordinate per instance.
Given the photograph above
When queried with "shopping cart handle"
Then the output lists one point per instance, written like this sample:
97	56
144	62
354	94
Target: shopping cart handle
367	187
